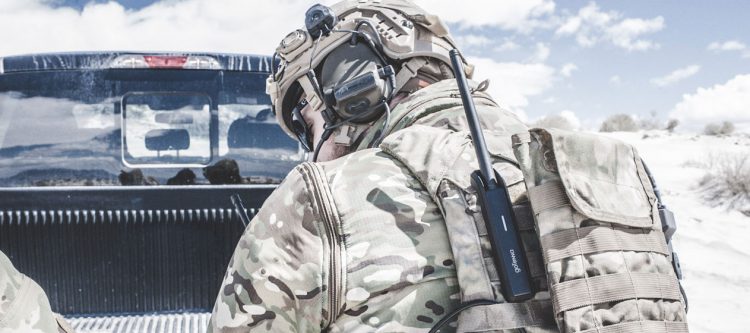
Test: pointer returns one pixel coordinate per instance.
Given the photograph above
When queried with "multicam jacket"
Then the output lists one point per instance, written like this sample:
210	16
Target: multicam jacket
356	244
24	306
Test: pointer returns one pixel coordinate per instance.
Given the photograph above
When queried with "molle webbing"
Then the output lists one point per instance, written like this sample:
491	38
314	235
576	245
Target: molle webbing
650	326
605	256
506	316
594	239
548	196
613	288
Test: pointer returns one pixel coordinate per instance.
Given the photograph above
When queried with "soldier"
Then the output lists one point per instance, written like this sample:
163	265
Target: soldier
357	242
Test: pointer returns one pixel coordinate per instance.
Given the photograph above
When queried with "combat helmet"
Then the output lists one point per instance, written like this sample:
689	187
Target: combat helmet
351	59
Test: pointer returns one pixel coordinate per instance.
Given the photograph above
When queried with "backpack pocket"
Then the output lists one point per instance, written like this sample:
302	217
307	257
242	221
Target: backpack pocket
607	262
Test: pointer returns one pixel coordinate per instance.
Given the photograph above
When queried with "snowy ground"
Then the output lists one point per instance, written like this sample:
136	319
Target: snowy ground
713	243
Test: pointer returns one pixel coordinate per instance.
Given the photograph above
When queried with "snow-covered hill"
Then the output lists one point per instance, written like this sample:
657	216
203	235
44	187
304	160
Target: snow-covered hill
713	242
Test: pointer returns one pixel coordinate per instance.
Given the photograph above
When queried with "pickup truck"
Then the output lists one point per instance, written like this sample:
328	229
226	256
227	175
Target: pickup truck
116	172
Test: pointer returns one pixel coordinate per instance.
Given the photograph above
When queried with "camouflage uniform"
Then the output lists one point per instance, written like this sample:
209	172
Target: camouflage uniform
358	243
23	304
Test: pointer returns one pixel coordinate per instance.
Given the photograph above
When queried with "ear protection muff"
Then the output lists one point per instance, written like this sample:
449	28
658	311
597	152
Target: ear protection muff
357	84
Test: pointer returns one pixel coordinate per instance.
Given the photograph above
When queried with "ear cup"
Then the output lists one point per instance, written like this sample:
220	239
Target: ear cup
352	83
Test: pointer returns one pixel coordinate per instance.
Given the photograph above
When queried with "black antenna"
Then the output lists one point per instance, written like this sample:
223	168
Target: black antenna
483	157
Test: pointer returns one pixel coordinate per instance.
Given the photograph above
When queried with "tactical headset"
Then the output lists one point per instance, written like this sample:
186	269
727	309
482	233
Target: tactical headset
357	83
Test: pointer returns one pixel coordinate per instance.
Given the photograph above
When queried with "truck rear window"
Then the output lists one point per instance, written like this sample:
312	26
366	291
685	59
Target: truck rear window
98	127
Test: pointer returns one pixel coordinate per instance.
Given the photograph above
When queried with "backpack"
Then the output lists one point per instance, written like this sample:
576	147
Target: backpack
589	225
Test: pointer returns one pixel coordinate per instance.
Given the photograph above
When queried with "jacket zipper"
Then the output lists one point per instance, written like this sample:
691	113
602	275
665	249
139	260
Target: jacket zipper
322	196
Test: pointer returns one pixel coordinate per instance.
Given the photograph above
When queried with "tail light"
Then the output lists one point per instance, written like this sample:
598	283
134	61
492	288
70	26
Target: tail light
165	61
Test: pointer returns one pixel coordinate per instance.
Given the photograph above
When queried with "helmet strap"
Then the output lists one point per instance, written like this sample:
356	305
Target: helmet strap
408	71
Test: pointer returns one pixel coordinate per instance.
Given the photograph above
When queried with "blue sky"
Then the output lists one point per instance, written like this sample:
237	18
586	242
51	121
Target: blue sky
610	79
689	27
634	57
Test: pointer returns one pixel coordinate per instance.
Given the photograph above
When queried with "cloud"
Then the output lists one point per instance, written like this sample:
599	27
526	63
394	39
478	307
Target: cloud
207	25
731	45
521	16
568	69
722	102
189	25
615	79
507	45
512	84
676	76
471	40
591	26
541	53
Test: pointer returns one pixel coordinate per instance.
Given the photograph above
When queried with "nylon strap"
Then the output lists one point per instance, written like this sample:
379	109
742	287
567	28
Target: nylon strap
612	288
547	196
520	138
566	243
650	326
315	101
505	316
409	70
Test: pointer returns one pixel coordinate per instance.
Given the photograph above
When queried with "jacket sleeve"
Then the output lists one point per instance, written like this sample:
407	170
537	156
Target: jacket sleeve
24	306
273	281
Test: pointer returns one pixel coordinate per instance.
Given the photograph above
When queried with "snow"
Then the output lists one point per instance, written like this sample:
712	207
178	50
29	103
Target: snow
713	243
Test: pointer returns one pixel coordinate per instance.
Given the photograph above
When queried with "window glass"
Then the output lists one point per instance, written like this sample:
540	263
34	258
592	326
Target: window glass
65	128
166	128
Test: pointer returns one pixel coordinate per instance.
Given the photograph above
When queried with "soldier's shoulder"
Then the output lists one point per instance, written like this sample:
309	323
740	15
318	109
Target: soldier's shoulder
369	164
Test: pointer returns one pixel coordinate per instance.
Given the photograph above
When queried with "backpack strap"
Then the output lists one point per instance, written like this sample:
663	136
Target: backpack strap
506	316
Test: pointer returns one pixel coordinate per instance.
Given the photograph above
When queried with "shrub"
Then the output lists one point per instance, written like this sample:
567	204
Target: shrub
619	123
554	121
725	128
650	123
671	125
728	183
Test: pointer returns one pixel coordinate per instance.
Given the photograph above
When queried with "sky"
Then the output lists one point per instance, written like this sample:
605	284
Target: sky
585	60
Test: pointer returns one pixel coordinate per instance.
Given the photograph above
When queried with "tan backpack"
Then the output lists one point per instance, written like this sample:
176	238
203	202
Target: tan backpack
589	225
597	216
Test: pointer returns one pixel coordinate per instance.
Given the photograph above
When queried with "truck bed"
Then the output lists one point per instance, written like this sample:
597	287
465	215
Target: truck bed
126	253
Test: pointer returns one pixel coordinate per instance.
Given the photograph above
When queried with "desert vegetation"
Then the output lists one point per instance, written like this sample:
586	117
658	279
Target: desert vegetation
727	182
554	121
619	123
717	129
